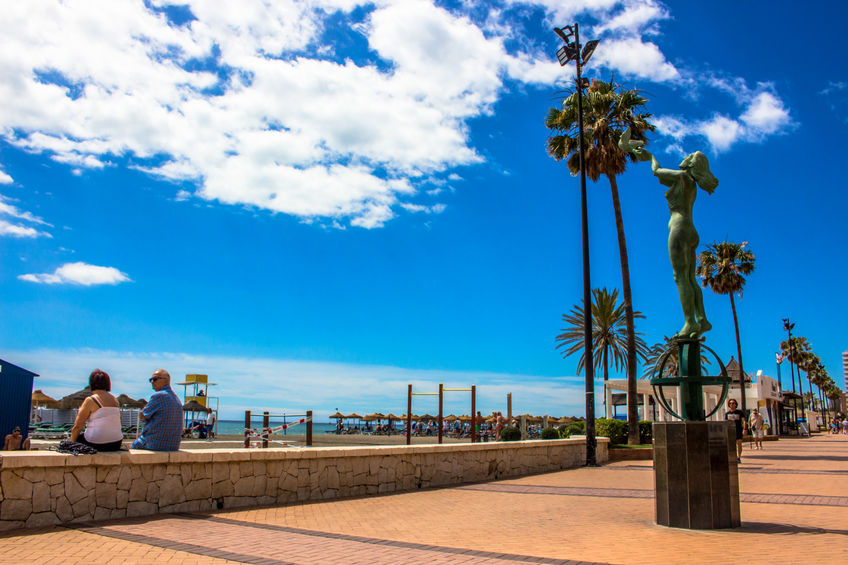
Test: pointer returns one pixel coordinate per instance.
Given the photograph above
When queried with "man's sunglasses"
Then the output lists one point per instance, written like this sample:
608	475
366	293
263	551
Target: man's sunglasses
153	379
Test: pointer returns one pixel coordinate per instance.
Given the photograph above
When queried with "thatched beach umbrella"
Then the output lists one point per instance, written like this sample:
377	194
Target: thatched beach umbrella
426	417
375	416
337	416
354	416
44	401
74	400
195	406
450	417
125	401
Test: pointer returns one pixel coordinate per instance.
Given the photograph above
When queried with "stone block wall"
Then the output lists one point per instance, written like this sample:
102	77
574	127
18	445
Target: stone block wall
40	489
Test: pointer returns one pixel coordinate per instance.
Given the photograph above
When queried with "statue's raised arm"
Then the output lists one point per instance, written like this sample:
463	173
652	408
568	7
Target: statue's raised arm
683	240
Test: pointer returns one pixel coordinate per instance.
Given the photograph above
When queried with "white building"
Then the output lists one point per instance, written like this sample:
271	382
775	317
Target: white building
764	394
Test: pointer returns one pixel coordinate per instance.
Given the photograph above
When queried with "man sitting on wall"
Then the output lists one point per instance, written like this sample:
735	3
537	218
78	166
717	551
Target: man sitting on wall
15	442
162	417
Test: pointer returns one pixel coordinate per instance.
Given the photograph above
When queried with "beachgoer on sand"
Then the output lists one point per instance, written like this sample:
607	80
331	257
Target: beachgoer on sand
15	441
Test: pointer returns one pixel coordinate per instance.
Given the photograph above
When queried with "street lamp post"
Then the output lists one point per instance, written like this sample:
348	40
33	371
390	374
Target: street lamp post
572	51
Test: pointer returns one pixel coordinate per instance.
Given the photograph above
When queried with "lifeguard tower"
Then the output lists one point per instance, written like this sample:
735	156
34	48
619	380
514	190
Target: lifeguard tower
196	400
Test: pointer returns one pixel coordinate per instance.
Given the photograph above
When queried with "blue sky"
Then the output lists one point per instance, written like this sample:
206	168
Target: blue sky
317	203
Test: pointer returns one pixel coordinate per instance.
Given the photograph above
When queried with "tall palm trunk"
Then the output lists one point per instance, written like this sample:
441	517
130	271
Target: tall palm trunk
739	353
823	406
632	409
606	378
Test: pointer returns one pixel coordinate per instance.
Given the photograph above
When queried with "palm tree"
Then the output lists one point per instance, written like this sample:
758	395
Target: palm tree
834	394
797	349
722	267
656	351
816	375
609	338
608	110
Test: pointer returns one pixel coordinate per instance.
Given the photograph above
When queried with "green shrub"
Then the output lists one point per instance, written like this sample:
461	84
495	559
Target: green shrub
616	430
549	433
646	431
576	428
510	433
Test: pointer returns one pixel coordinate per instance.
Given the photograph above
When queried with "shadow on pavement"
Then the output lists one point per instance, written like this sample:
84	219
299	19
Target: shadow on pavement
770	528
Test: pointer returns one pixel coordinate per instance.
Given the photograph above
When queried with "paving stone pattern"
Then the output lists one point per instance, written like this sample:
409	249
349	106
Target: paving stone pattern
592	515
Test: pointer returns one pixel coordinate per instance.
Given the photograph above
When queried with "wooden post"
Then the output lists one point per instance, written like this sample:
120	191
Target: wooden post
247	428
309	428
409	417
266	423
441	396
473	413
509	409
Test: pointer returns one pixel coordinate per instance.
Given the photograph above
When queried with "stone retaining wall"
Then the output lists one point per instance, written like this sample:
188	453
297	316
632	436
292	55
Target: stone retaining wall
45	488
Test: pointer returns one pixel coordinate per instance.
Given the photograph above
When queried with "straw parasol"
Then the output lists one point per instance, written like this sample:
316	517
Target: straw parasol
194	406
393	417
125	401
450	417
337	416
427	417
354	416
41	399
74	400
375	416
464	418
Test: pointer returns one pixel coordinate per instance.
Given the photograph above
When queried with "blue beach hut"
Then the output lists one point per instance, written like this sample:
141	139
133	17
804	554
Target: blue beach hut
15	398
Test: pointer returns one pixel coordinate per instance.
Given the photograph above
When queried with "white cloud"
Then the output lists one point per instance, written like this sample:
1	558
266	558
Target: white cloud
5	178
254	383
283	131
16	230
560	11
636	15
248	102
721	132
10	210
833	87
79	273
763	114
636	58
671	126
766	114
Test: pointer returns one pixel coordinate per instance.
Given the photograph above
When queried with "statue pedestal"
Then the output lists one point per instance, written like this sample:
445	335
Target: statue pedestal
696	475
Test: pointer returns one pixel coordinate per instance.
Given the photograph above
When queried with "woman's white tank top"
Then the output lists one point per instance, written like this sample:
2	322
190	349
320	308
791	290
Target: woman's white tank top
104	426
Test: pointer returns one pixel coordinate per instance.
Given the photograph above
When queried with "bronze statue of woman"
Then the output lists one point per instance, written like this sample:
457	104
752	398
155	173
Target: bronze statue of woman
682	238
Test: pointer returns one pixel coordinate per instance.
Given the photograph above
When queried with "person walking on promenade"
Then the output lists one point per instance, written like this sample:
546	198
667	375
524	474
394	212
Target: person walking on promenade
735	415
162	417
755	424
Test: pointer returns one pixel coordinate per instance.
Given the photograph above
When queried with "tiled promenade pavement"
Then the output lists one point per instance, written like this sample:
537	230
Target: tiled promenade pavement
794	510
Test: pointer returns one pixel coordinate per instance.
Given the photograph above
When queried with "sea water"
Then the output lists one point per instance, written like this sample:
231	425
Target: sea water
236	427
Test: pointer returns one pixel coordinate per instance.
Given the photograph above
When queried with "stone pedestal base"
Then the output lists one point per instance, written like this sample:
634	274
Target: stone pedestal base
696	476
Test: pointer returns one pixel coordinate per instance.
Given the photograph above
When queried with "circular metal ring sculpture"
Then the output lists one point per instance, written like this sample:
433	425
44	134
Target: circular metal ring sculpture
689	379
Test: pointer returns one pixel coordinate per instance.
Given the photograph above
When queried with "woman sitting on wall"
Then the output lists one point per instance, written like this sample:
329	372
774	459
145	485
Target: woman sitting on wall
100	415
